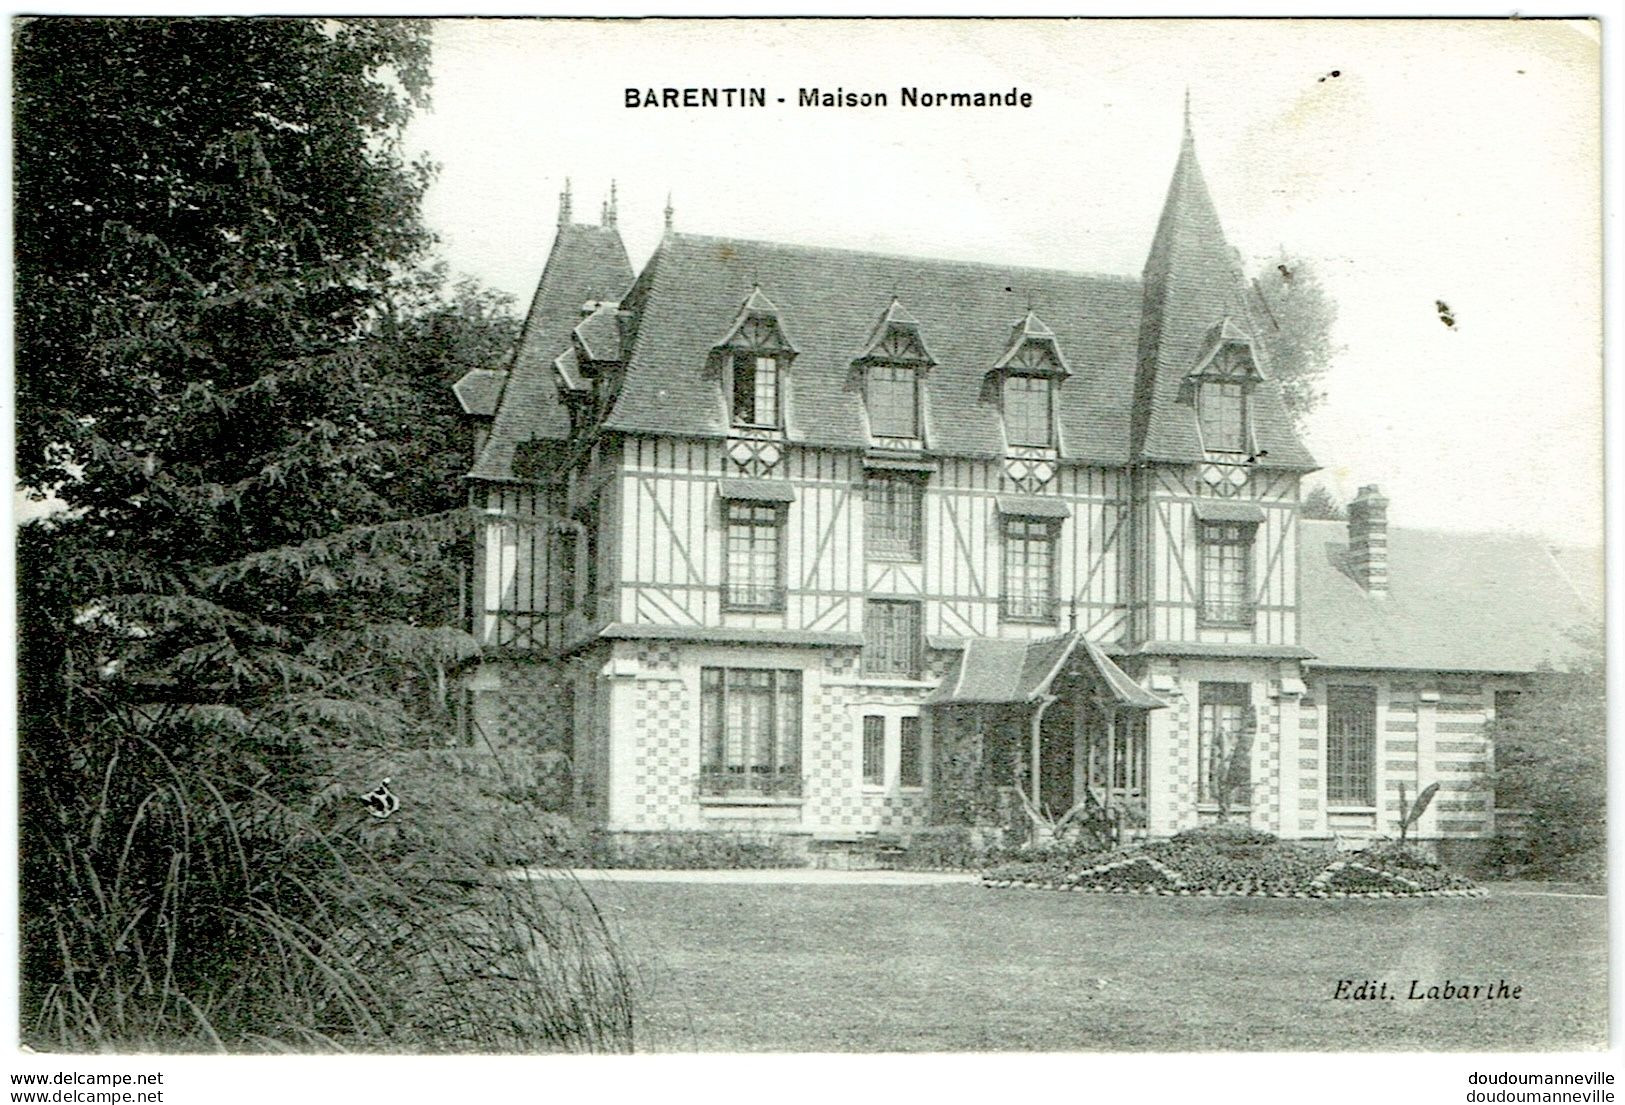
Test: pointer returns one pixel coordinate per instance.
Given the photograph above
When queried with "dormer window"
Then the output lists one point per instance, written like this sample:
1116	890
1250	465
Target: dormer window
1222	407
1027	411
755	353
1029	371
893	397
755	390
893	364
1224	376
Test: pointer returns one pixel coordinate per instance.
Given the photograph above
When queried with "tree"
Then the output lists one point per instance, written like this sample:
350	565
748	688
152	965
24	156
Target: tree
1300	343
433	338
204	203
1551	760
1319	504
231	359
211	216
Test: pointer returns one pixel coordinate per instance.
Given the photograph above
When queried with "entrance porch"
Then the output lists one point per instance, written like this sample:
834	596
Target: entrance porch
1042	736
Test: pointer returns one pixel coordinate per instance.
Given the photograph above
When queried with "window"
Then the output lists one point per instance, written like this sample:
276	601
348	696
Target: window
750	723
891	638
755	390
1029	570
1225	743
893	401
1026	411
1222	409
1128	752
874	751
751	570
910	755
891	516
1227	573
1351	746
893	752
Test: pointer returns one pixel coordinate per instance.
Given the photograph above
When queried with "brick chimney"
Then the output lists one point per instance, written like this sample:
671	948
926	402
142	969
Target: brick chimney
1368	539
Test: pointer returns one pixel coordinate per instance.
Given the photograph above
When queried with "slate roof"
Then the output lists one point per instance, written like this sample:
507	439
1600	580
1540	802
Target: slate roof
586	263
599	334
1456	602
828	301
1129	345
479	390
1193	282
999	670
1585	570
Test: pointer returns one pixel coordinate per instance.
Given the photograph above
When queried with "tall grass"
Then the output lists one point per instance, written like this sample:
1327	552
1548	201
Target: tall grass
184	894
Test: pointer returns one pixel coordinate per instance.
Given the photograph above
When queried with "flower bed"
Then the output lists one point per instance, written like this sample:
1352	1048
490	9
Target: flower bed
1232	863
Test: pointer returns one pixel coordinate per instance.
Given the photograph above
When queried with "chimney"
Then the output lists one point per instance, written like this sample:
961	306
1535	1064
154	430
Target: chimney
1368	539
564	204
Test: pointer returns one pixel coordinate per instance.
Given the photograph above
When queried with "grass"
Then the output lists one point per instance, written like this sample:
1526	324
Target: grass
960	968
170	905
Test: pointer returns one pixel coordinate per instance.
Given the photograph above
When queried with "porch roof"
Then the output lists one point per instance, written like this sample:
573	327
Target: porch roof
999	670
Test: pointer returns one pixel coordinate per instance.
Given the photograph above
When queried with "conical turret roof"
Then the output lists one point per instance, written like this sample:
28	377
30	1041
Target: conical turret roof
1191	283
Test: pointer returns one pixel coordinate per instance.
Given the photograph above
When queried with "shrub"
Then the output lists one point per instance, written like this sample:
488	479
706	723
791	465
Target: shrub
233	346
1224	834
1589	866
685	851
959	847
1387	853
1230	860
493	803
1551	762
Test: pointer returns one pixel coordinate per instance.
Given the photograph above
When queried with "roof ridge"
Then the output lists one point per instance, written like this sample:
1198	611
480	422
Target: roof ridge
1563	573
1542	540
1131	281
636	300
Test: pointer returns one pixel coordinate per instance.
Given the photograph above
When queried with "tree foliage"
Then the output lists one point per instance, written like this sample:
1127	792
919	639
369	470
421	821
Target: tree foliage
231	365
1551	760
213	216
1319	504
1300	345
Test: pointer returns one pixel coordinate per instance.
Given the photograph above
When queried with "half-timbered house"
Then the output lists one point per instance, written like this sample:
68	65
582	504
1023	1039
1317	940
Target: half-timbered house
812	541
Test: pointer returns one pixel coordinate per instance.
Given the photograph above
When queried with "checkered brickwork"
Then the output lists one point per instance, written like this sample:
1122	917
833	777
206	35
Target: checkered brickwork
658	658
522	711
1180	783
666	762
1267	768
939	662
835	800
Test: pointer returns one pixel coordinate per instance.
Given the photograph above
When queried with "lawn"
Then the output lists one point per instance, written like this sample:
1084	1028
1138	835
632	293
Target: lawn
961	968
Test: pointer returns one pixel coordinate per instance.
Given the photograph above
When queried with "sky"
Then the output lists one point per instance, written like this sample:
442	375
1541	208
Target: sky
1454	162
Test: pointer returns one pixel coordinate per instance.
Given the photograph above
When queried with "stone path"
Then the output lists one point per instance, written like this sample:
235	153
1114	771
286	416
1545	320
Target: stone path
769	877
